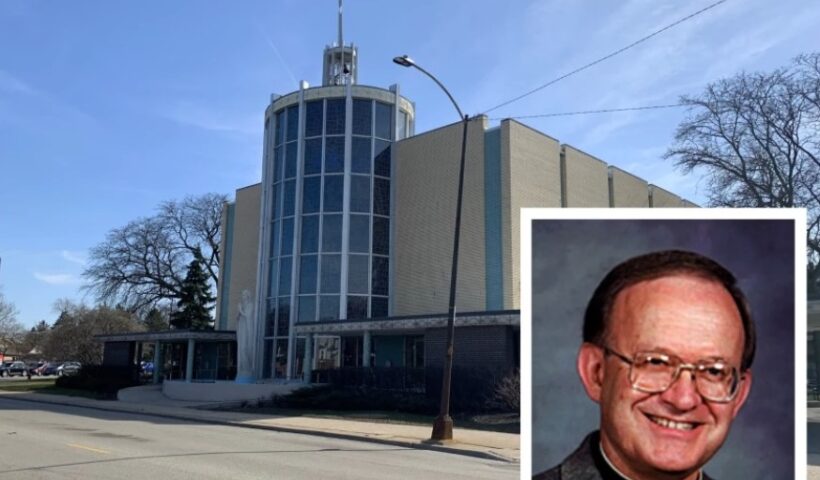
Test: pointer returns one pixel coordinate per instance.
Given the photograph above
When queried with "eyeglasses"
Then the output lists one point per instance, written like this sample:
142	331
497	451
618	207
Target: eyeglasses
652	372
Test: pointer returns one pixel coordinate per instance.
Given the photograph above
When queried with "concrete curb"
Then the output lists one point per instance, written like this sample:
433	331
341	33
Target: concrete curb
277	428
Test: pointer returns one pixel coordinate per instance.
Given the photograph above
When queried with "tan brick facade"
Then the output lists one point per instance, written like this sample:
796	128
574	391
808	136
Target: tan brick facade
585	182
426	182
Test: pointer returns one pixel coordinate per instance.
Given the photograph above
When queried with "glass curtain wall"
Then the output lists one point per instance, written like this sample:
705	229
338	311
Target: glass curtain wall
306	232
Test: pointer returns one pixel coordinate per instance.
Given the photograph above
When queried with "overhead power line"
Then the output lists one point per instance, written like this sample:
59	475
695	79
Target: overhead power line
588	112
556	80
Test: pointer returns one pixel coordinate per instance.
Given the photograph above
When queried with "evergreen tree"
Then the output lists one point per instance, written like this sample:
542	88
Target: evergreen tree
195	303
155	320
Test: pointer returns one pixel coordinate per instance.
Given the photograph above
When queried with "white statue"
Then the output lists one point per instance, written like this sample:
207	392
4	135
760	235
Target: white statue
245	339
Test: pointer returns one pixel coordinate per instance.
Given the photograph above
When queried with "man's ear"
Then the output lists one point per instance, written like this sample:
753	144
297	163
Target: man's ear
743	392
591	369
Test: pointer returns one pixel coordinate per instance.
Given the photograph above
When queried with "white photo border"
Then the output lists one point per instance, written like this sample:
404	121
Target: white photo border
797	215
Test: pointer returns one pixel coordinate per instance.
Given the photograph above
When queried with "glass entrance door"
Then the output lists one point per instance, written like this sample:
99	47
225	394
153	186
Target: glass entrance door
328	353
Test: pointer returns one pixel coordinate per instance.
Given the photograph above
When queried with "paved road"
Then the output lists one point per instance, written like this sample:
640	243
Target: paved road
39	441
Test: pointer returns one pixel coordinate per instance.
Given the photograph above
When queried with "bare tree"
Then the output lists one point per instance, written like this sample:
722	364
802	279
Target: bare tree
143	263
11	331
35	339
72	336
756	137
195	223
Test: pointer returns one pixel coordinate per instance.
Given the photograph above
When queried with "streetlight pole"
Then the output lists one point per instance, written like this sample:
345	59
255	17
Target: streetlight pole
443	425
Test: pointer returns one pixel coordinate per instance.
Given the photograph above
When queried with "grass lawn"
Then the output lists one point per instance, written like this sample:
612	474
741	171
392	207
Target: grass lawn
45	385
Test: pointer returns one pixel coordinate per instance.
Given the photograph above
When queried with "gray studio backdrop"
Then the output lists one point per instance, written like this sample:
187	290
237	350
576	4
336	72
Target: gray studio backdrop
570	257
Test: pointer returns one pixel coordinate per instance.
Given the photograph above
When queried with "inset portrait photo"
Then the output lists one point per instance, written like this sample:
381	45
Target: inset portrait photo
664	343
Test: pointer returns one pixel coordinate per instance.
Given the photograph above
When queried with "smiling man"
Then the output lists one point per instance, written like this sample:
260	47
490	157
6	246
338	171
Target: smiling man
668	346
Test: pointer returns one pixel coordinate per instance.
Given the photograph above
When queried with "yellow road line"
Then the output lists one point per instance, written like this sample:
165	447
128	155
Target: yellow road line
90	449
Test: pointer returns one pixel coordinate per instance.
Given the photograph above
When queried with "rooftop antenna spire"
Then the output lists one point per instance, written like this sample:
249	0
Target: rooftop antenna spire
341	43
340	61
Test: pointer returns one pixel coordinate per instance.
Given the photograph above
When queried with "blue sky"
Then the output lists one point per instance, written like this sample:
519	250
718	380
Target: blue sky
109	107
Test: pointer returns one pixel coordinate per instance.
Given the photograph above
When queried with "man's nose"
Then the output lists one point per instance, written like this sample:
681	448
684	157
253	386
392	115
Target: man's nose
683	393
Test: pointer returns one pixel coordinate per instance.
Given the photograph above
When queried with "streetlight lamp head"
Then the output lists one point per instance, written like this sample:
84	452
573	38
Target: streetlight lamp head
404	61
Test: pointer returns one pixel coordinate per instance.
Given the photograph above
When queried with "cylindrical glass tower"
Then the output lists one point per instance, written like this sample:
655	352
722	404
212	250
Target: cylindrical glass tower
326	220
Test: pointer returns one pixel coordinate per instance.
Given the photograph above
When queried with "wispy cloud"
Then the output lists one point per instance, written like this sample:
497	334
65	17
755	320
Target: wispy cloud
74	257
10	83
57	278
193	115
275	51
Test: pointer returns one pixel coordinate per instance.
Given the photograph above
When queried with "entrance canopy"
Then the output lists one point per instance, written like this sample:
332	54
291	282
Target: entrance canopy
169	336
189	355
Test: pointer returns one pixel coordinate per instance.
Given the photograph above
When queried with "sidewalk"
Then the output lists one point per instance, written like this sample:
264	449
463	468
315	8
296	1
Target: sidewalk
813	412
149	400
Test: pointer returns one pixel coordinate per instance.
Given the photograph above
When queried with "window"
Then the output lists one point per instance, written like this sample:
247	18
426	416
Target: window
380	278
290	160
362	117
287	202
283	325
281	358
360	194
359	233
307	308
402	133
357	274
310	194
274	239
293	123
384	120
277	163
382	160
334	190
270	318
332	233
277	201
335	124
273	274
378	307
356	307
280	126
284	314
360	156
310	234
331	274
381	196
381	236
414	351
284	275
307	274
334	155
328	307
268	359
313	156
287	236
313	118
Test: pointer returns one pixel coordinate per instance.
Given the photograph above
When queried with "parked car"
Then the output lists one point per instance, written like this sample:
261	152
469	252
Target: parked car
17	368
41	368
34	367
51	368
4	368
69	368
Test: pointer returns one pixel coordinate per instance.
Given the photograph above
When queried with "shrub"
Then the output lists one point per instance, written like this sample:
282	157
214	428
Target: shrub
470	388
330	397
103	380
507	393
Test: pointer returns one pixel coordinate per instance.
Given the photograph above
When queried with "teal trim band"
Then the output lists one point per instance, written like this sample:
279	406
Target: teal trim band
225	288
494	279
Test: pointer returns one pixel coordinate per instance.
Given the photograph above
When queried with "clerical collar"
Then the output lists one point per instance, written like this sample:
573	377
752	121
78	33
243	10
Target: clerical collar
621	474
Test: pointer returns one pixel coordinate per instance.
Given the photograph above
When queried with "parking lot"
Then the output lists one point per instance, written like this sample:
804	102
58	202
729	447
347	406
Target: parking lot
24	378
